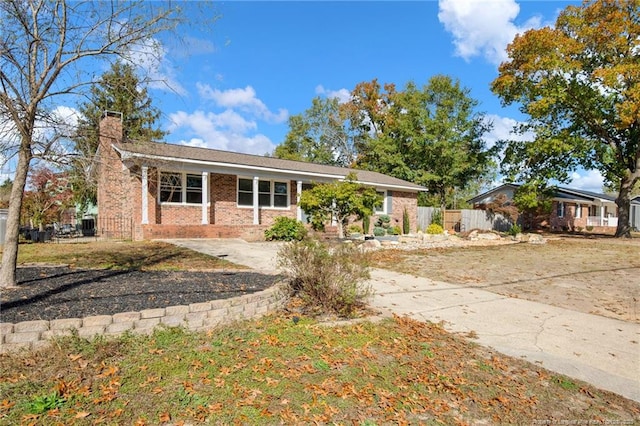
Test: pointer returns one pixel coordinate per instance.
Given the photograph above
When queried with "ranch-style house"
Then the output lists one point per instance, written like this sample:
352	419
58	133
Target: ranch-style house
151	190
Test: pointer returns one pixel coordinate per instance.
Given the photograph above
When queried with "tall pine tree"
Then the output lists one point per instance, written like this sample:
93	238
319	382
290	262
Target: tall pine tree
119	89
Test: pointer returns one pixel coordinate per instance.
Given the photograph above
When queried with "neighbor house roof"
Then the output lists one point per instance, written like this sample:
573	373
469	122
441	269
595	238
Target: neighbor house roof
560	193
217	159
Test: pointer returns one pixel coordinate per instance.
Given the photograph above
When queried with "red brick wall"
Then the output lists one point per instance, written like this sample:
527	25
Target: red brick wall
399	201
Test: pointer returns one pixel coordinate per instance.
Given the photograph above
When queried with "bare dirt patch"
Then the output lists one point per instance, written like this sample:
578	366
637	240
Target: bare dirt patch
593	275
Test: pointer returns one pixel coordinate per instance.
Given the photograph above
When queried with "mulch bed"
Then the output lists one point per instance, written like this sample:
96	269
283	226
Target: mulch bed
48	293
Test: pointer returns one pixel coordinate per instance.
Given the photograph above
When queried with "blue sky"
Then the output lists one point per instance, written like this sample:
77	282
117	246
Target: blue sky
232	85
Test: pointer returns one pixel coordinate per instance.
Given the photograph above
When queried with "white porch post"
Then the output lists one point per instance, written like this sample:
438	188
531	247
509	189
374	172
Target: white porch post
256	208
298	193
205	197
602	215
145	195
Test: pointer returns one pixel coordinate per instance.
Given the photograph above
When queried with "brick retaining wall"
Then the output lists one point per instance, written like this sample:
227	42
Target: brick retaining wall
195	317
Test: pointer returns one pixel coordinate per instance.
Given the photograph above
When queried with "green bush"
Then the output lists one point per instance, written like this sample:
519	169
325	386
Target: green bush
406	225
437	217
394	230
366	223
589	228
354	229
328	280
383	221
435	229
515	230
285	229
379	231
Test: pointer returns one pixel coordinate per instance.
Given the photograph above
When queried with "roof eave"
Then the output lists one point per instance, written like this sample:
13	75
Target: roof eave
127	155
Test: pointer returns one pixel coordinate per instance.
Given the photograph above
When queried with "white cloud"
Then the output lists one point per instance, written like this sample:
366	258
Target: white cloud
343	95
150	57
588	180
503	130
483	27
205	122
244	100
226	131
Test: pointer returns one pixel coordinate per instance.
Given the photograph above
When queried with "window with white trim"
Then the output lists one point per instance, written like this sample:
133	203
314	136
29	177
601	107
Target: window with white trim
177	187
578	211
381	208
271	193
560	210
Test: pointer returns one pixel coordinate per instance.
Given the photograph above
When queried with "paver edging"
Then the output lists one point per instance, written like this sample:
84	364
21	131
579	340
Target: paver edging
196	317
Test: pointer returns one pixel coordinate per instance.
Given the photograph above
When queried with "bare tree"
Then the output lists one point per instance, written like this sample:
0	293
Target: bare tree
46	48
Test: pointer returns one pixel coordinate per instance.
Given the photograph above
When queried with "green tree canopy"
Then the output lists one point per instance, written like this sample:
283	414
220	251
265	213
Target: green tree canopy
431	135
318	135
339	200
579	83
118	89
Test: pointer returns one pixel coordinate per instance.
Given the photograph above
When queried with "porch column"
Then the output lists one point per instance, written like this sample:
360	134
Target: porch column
145	195
205	197
602	215
298	193
256	208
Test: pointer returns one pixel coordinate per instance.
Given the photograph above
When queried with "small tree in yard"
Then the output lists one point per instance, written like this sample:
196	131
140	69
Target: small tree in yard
339	200
48	196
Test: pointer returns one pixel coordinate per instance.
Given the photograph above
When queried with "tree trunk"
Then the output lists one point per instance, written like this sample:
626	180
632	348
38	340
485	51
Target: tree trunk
10	249
624	206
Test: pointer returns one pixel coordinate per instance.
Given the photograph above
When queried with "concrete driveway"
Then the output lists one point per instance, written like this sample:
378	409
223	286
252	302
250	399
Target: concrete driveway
598	350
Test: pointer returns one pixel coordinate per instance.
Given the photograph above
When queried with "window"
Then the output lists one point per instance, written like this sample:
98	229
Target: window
578	211
270	193
245	192
194	189
280	194
170	187
380	207
180	187
560	210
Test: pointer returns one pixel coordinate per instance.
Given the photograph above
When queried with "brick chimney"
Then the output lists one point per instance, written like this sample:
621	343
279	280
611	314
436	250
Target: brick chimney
111	128
114	181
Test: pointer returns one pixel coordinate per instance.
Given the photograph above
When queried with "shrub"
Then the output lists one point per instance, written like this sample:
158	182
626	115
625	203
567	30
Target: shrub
326	279
383	221
437	217
394	230
379	231
435	229
285	229
589	228
515	230
354	229
406	226
366	223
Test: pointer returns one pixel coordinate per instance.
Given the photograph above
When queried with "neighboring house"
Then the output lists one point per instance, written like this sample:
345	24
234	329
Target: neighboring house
573	208
149	190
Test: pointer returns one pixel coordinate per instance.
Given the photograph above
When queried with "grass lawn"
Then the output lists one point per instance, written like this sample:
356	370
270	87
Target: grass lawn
279	371
141	255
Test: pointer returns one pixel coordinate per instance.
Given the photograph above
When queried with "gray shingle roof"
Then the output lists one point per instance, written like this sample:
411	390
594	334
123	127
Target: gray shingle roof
218	158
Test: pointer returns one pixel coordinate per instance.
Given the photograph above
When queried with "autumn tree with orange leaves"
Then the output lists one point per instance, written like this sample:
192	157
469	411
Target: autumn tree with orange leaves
579	82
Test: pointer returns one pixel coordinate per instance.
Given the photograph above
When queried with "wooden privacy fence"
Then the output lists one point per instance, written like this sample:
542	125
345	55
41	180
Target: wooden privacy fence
464	220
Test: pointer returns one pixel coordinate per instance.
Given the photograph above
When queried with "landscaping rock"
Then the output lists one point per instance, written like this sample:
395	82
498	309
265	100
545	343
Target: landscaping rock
489	236
371	245
536	239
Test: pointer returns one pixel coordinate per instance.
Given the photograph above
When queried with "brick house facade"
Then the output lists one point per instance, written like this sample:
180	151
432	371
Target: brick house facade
150	190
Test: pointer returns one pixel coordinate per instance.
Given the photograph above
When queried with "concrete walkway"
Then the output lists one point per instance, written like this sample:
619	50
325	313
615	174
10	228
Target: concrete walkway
598	350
